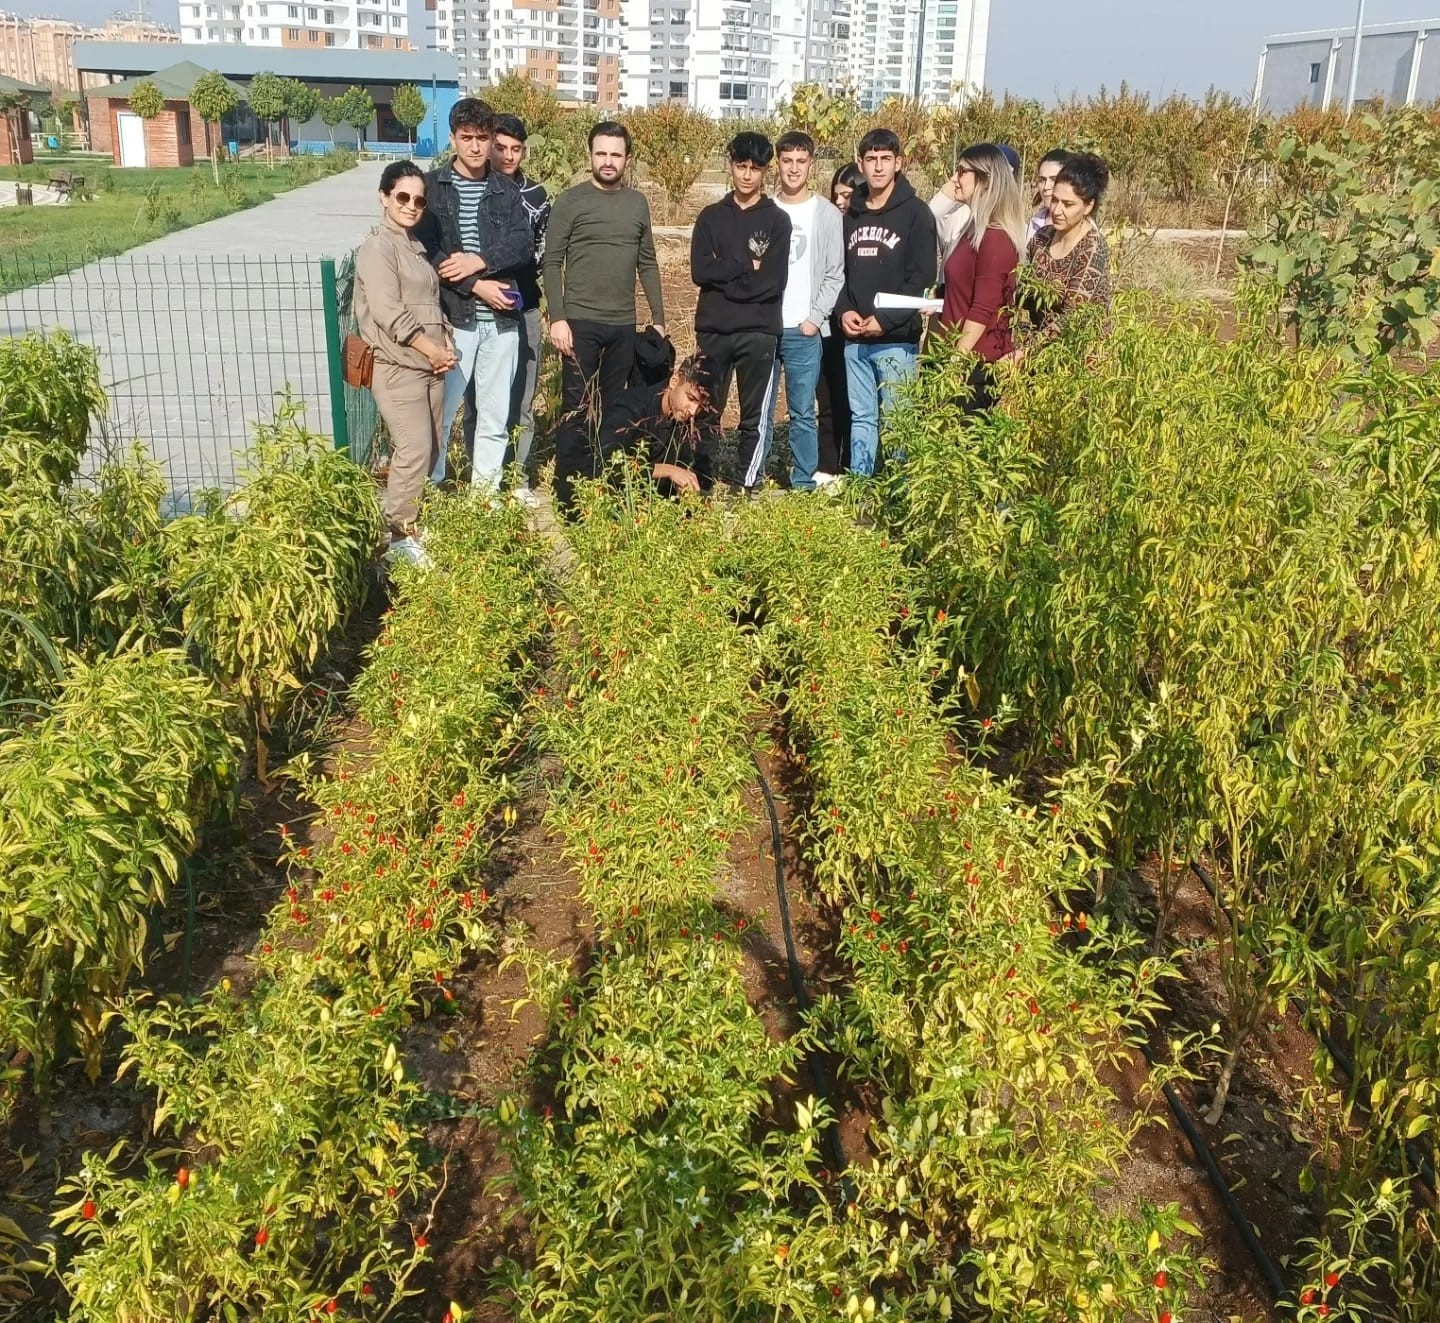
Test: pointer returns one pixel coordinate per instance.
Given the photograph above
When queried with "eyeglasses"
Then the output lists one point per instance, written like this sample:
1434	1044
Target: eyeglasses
416	200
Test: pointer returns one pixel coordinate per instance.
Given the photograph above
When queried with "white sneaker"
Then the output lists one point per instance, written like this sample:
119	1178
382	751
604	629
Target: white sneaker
407	551
529	499
824	480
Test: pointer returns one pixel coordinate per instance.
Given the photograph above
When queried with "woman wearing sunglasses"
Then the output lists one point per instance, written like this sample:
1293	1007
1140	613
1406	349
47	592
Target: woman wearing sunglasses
980	272
397	305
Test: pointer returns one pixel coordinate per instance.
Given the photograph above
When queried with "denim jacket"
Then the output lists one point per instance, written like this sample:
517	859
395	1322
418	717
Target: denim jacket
506	241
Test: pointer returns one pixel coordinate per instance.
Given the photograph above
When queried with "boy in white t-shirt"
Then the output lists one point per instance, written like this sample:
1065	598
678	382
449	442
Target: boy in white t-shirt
817	273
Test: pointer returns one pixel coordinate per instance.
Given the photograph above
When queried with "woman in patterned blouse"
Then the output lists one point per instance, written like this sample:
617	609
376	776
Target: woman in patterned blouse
1069	256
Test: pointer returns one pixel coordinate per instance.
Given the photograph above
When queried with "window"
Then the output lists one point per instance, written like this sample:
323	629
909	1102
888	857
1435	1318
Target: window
329	38
330	16
264	34
182	130
1315	72
312	14
394	20
293	11
292	34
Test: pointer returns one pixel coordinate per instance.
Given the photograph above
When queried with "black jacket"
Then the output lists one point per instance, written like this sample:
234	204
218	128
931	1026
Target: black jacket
635	423
507	242
727	239
890	251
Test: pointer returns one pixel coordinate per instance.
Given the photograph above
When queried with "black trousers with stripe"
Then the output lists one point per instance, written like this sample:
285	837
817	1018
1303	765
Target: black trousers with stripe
747	358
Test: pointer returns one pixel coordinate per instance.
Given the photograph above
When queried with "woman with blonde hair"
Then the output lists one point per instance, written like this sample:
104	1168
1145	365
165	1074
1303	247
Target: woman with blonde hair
980	272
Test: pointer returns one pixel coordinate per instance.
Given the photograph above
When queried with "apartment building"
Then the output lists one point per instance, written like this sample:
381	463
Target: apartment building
732	58
42	50
345	25
573	47
930	49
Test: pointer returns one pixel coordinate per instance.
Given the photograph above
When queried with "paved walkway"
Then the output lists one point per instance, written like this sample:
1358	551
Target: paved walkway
198	331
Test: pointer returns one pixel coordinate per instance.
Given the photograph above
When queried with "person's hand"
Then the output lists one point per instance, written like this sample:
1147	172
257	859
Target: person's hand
683	479
870	326
1015	356
809	328
562	338
494	295
659	328
461	266
442	357
852	323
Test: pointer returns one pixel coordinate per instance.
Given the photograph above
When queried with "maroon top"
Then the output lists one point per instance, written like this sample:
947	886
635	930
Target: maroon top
980	287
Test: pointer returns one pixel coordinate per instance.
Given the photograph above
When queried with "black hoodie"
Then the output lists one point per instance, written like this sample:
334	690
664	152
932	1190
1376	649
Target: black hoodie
734	295
890	251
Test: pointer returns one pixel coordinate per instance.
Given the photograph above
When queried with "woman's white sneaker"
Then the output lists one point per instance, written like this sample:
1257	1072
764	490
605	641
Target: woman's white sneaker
407	551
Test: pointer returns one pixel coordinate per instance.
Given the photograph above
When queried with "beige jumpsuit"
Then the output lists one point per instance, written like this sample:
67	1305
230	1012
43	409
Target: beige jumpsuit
397	297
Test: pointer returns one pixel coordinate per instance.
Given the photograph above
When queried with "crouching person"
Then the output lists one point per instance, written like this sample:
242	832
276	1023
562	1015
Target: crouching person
660	425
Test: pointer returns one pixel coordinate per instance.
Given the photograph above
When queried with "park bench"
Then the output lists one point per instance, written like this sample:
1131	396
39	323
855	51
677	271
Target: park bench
65	183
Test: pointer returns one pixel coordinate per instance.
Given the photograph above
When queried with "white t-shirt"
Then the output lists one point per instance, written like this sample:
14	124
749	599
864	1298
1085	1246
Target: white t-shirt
796	307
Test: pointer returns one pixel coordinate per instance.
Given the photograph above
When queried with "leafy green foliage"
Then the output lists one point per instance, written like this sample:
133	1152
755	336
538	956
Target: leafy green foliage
289	1204
302	102
49	388
212	98
260	595
269	97
408	106
1353	258
1207	579
100	802
674	142
146	100
358	109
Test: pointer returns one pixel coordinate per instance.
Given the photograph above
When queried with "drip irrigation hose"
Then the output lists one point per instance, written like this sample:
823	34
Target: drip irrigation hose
1425	1170
820	1071
1203	1151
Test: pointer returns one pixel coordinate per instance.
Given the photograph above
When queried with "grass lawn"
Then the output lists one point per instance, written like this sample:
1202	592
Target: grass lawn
128	208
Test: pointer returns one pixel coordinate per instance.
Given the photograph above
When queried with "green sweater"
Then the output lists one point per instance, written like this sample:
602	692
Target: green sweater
596	243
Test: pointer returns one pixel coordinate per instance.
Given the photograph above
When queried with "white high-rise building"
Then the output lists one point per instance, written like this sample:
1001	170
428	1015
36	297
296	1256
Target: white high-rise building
732	57
346	25
573	47
743	57
930	49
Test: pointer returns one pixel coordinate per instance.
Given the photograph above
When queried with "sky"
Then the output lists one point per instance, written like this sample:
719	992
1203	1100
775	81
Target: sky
1050	48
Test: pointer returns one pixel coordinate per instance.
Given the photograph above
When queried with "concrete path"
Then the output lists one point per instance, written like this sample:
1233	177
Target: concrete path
198	331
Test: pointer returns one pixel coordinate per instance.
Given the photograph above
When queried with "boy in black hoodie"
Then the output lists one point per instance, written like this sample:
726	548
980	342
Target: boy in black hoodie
890	248
740	257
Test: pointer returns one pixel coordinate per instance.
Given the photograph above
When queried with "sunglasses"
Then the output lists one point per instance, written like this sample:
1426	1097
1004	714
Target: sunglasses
416	200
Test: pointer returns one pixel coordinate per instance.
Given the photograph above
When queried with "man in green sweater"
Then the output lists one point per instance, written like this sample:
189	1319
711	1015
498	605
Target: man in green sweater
598	241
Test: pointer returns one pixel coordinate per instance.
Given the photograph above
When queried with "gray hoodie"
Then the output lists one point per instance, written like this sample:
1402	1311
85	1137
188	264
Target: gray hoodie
827	264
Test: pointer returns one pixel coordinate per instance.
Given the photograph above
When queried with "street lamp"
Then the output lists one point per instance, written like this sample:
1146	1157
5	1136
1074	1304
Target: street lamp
1355	56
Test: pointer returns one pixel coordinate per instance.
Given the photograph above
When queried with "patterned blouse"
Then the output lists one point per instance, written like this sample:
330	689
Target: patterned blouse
1081	276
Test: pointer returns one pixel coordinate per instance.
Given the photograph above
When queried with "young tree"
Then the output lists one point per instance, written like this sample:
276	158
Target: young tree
408	106
332	111
674	141
146	100
302	103
359	111
213	98
534	104
268	101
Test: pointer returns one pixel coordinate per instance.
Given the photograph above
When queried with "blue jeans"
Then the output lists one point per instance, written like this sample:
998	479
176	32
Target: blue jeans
799	355
489	352
871	372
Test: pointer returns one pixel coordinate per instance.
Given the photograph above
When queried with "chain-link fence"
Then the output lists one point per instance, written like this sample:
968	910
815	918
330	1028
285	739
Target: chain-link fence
194	350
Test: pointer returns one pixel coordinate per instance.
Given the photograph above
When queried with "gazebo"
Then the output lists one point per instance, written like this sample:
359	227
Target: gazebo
166	140
15	96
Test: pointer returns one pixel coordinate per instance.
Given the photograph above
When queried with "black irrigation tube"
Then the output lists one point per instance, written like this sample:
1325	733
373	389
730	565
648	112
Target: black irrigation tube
1218	1183
819	1066
1425	1170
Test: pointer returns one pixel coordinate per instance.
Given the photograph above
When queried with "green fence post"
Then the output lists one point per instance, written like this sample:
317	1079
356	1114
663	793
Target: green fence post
333	340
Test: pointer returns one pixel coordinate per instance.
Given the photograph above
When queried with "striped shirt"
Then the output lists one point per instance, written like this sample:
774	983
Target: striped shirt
471	193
